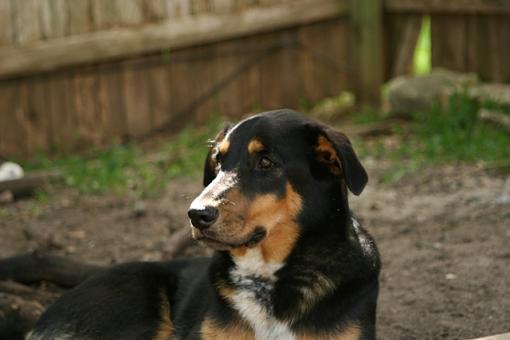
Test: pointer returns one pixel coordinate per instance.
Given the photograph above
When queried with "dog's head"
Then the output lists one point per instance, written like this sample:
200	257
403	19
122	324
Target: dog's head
270	176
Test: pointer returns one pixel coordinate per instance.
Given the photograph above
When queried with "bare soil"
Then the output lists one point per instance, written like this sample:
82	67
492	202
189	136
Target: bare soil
443	234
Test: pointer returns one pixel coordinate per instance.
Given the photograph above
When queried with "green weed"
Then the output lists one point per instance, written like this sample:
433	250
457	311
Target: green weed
443	135
128	167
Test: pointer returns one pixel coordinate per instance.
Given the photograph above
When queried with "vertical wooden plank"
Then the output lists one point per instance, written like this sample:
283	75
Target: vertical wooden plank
80	17
129	12
6	28
26	20
154	10
251	79
448	34
497	43
136	100
34	101
110	103
504	50
105	14
177	8
270	67
54	16
180	83
158	78
325	62
10	130
366	20
402	31
222	6
89	125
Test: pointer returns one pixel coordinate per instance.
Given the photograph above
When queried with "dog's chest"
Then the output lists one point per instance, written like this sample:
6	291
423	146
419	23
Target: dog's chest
254	280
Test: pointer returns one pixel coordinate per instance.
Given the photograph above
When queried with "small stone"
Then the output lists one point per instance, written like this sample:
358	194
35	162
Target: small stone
140	209
451	276
503	199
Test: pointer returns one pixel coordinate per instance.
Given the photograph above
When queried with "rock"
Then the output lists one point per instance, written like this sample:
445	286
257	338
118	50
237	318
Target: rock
408	94
10	171
139	209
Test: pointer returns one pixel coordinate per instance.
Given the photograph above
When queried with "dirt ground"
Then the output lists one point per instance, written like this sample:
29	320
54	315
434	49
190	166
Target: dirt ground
443	234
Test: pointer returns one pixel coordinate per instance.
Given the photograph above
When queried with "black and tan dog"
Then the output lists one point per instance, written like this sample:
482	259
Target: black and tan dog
291	261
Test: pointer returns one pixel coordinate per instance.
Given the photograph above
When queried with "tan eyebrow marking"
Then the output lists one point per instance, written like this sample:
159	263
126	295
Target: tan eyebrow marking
224	146
255	146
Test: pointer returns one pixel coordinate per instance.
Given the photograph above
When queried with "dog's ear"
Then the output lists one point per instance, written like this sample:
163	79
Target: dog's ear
334	150
210	170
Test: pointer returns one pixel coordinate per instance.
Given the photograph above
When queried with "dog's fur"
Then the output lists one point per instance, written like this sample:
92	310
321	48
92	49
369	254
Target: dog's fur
291	261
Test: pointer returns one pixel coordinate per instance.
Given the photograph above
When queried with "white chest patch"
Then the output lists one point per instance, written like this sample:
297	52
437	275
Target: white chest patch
255	281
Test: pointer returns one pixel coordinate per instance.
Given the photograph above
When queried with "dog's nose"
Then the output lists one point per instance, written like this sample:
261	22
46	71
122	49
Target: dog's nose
203	218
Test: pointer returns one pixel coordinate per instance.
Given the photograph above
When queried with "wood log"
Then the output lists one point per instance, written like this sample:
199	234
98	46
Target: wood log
35	267
30	182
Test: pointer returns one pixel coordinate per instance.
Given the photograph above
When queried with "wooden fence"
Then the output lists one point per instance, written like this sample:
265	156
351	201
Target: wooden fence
78	73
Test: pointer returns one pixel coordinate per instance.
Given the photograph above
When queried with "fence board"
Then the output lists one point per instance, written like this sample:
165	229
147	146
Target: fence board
54	16
111	109
122	43
6	28
26	24
401	35
80	17
448	33
136	100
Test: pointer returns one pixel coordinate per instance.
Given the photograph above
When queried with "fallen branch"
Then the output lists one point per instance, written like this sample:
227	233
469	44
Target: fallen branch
29	182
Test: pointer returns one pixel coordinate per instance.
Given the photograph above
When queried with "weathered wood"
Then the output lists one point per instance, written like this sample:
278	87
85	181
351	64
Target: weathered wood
54	16
80	20
188	31
36	267
26	24
30	182
448	35
6	33
451	6
402	36
366	20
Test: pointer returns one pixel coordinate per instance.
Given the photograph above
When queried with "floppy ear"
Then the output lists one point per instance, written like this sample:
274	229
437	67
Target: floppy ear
210	161
334	149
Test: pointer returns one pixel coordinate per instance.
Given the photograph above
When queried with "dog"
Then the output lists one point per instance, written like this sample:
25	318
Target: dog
290	260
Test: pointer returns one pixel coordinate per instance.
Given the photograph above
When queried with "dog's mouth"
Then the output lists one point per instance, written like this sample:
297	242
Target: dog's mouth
255	237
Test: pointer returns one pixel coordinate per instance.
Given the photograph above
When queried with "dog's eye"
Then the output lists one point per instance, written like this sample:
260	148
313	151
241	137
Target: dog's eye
265	163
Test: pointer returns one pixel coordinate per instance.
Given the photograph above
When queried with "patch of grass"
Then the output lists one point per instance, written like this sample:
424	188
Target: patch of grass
456	134
449	134
368	116
128	167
